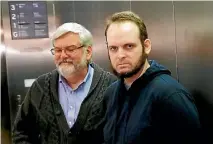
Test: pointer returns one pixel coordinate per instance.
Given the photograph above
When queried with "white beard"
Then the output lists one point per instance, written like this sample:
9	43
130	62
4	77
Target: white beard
68	69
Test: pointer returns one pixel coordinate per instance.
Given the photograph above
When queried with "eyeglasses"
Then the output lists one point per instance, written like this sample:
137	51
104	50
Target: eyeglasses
68	50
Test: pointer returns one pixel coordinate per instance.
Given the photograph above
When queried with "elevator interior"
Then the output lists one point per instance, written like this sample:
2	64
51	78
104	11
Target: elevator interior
181	34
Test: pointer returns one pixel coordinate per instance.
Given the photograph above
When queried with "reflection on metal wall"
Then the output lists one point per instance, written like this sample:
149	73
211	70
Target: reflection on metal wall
158	17
181	34
195	55
5	107
26	58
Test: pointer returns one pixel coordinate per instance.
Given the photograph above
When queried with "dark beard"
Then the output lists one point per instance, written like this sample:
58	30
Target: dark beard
135	70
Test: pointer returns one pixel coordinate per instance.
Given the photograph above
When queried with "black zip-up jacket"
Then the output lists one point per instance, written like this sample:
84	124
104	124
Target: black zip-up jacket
156	109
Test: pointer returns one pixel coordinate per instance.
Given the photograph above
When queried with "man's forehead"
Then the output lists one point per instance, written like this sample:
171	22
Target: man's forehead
125	26
67	41
128	29
69	34
123	32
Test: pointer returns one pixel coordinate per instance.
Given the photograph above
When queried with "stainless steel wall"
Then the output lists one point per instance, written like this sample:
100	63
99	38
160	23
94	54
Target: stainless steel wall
181	34
25	58
5	107
194	32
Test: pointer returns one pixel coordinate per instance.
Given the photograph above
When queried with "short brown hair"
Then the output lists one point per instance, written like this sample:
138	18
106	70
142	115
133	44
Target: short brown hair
128	16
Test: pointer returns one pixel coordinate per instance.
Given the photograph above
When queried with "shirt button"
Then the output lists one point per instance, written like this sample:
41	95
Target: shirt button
71	107
58	112
70	123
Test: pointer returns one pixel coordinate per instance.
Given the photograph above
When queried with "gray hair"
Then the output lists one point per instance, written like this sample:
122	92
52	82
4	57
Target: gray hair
86	38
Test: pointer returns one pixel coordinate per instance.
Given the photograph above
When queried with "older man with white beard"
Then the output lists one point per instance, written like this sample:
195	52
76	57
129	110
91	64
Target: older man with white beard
66	105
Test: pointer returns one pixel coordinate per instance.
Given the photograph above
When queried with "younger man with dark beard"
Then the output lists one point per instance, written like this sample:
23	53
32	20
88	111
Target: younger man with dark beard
146	105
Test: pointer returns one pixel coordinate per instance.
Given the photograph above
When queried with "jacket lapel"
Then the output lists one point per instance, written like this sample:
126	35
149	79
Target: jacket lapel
86	104
61	119
96	77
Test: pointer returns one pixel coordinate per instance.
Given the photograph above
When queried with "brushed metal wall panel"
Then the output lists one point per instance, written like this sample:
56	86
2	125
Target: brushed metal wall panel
158	17
195	55
25	59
